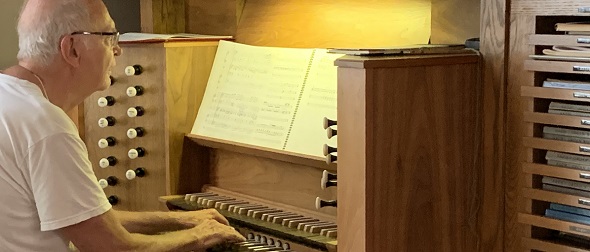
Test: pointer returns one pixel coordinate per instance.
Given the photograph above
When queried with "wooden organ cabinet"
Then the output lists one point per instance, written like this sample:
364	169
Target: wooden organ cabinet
409	153
408	159
134	130
543	156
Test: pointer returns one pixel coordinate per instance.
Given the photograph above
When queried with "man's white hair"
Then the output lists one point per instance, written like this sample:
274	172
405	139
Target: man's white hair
40	35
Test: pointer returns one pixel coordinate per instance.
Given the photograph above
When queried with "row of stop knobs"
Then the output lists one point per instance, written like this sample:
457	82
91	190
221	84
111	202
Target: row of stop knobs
328	179
131	134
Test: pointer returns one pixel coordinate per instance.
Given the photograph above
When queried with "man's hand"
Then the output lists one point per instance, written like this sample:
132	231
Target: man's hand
209	233
195	218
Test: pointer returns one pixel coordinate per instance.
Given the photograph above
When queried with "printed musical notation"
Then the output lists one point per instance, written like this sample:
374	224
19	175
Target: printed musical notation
270	97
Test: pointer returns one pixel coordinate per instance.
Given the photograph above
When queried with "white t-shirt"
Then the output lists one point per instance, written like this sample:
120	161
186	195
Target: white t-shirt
46	179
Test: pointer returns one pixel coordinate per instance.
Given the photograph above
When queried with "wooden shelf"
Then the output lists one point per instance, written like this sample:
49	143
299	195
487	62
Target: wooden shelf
548	196
549	246
557	66
555	171
566	40
258	151
555	93
546	144
555	119
554	224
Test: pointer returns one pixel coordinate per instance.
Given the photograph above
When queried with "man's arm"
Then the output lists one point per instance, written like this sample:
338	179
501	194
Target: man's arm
105	233
158	222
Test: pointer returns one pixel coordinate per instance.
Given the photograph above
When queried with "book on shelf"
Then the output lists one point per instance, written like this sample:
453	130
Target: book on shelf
567	216
140	37
573	26
573	51
566	183
568	112
567	157
567	84
270	97
566	190
569	106
569	209
573	139
574	239
564	164
566	131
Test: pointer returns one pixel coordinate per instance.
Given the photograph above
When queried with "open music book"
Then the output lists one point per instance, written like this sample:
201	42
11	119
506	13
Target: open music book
270	97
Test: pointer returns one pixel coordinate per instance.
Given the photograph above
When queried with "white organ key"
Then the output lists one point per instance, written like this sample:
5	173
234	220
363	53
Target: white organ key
286	221
269	216
188	195
224	205
318	229
294	223
258	214
305	226
279	219
244	210
301	225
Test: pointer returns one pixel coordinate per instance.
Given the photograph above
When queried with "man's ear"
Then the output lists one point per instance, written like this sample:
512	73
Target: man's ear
69	51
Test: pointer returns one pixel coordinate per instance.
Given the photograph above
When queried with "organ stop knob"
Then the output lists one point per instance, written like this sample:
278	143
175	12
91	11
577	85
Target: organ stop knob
132	174
320	203
331	132
106	101
328	123
331	159
134	91
133	70
328	179
112	79
113	199
108	161
329	149
106	122
110	181
135	153
135	132
135	111
106	142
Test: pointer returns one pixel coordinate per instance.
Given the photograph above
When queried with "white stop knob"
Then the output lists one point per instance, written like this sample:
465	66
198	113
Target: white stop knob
103	183
103	143
132	112
130	174
103	123
131	91
103	102
103	163
129	70
133	153
131	133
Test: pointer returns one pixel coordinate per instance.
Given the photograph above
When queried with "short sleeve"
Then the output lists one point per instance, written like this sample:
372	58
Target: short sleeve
64	186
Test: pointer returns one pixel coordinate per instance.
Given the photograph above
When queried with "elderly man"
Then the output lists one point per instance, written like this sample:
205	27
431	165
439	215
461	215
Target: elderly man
51	196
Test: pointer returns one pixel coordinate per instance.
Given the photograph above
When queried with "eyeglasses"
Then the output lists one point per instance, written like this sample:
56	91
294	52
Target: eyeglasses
114	36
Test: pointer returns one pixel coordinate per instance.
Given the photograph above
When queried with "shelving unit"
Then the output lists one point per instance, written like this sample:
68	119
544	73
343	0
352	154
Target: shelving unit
542	233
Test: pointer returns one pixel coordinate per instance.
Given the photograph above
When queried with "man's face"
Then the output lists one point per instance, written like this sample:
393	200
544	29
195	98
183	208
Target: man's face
101	52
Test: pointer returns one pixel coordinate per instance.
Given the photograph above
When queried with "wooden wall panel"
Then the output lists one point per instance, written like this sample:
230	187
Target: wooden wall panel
493	49
326	23
454	21
215	17
163	16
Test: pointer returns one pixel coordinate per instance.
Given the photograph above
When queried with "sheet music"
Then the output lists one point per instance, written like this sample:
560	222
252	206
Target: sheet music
252	93
318	100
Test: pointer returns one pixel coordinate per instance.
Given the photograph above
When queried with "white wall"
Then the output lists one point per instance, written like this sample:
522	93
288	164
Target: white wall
9	10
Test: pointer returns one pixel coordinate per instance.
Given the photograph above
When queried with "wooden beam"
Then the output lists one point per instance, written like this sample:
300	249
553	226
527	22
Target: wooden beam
163	16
